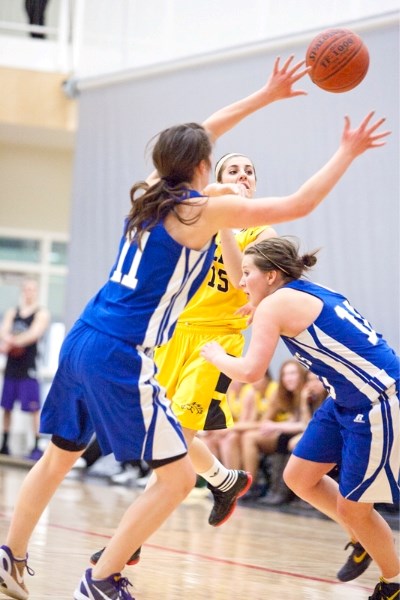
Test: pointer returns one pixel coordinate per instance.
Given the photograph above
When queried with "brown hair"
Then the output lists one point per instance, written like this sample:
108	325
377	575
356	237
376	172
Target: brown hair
176	153
290	401
281	254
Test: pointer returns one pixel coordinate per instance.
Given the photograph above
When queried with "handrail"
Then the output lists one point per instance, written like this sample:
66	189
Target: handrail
13	26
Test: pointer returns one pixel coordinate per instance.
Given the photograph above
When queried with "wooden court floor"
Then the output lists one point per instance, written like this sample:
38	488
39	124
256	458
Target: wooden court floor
257	554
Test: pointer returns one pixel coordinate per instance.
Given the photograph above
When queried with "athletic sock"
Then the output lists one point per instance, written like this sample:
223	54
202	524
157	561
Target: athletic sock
219	476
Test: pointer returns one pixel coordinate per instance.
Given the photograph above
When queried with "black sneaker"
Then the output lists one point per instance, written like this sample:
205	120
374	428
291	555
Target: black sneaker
386	591
358	561
225	502
134	559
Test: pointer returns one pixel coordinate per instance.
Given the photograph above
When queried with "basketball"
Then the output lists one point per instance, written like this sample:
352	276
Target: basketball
339	60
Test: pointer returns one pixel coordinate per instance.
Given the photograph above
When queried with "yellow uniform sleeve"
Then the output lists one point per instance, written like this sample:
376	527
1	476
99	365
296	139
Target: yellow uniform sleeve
217	300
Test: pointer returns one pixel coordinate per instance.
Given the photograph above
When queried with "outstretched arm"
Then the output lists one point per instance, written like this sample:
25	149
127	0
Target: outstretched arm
231	211
278	87
264	338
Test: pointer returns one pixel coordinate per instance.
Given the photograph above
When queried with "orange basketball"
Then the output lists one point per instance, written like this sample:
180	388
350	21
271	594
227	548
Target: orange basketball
339	60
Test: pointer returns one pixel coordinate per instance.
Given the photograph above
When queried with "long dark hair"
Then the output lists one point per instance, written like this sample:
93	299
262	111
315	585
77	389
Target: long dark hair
176	153
281	253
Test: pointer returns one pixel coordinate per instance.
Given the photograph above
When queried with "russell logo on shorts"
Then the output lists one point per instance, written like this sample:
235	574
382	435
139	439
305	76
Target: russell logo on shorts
359	419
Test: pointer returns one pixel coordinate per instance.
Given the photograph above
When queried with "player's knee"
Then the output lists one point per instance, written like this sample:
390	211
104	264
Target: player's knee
289	479
189	478
352	512
179	476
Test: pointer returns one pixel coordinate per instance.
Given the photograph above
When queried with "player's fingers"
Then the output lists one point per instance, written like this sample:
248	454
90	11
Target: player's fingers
287	63
298	66
346	123
376	125
380	136
299	75
299	93
276	65
366	120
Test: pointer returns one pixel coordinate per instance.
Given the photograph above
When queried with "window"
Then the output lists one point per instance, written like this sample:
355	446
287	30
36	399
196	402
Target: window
40	254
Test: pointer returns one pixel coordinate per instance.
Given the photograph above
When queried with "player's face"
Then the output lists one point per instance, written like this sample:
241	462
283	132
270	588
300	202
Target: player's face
254	282
240	169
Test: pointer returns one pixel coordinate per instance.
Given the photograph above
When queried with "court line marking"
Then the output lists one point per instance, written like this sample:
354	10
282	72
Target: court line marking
216	559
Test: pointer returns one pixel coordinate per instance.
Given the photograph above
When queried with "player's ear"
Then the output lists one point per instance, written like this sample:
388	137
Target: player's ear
204	166
271	276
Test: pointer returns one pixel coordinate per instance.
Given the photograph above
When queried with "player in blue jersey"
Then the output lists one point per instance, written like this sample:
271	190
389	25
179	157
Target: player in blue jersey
105	380
357	427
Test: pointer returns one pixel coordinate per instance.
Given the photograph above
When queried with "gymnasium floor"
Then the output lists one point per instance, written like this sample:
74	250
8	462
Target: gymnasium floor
257	554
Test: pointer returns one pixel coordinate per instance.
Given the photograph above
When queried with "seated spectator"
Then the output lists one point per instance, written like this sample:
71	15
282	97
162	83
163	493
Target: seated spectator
312	395
281	417
248	403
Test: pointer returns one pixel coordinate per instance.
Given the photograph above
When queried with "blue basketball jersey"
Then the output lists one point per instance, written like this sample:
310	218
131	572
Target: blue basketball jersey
353	361
105	381
148	288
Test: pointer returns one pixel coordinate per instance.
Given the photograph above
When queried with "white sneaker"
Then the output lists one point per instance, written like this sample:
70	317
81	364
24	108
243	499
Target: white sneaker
80	464
142	481
125	476
11	574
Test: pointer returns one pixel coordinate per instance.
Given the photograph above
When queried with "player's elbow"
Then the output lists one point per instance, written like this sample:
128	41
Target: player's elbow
253	373
301	206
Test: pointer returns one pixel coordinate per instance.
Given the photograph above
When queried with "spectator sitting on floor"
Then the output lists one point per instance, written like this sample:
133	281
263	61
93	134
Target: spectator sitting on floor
311	397
248	403
282	416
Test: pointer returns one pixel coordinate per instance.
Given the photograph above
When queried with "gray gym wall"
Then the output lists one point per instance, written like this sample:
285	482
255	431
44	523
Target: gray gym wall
357	227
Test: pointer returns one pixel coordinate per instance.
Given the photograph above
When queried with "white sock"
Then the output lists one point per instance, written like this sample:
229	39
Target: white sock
219	476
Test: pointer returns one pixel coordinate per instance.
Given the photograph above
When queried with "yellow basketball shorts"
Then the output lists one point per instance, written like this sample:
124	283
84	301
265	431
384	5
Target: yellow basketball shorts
197	389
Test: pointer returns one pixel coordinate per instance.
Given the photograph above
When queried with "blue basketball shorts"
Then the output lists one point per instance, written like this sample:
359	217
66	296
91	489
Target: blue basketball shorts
107	386
363	442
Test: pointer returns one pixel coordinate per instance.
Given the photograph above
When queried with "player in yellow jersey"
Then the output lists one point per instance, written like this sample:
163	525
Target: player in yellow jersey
197	390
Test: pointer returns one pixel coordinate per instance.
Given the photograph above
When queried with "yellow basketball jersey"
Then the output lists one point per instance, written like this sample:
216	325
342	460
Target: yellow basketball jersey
217	300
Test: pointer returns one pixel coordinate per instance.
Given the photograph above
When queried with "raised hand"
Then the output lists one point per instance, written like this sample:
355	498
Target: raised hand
280	83
357	141
278	87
